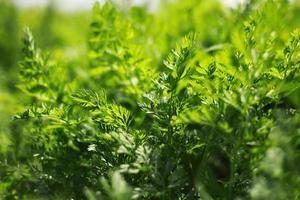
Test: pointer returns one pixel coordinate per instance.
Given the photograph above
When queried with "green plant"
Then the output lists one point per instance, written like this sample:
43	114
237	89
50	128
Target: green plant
215	118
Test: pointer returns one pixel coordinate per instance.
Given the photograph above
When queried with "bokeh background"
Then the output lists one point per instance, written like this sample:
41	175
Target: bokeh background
74	5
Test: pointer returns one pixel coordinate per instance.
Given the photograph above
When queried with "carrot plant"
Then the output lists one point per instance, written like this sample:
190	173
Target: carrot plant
217	117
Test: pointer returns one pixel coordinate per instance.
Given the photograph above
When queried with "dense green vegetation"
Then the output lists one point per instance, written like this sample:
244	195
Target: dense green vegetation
192	101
